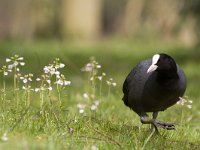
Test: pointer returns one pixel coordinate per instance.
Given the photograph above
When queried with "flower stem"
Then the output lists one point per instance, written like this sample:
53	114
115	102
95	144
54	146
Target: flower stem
108	91
15	87
59	95
100	89
4	92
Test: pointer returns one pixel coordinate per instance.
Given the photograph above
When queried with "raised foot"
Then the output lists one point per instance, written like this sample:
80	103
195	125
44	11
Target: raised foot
164	125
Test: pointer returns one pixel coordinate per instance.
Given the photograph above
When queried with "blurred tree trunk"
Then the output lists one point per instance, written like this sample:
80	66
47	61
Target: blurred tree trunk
156	18
5	18
81	18
29	18
163	17
130	21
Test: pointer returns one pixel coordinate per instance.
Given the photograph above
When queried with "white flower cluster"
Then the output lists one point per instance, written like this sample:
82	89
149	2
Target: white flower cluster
45	83
93	106
110	82
91	66
13	64
101	76
52	69
26	79
96	81
49	72
185	101
81	107
4	70
62	81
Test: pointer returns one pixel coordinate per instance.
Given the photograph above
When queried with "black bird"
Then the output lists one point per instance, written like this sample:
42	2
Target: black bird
152	86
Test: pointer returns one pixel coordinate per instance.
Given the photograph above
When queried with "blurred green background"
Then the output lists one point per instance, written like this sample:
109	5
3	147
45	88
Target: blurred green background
118	33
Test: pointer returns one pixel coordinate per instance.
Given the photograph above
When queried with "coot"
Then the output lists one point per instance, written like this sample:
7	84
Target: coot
152	86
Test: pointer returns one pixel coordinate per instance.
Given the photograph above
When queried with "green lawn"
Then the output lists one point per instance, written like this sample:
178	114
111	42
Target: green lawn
44	124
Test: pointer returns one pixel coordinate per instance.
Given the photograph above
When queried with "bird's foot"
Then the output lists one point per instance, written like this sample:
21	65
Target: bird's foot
164	125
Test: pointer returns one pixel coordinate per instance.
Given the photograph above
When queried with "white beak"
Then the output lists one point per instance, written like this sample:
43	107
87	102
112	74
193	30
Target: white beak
152	68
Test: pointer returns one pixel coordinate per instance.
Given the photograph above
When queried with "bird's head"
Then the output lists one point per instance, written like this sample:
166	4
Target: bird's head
163	63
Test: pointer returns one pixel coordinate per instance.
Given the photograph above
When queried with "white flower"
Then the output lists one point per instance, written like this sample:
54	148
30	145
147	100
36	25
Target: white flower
185	102
88	67
94	147
42	89
81	111
18	70
50	88
20	58
63	82
23	87
38	79
81	106
190	101
62	65
5	73
98	66
57	73
49	81
25	80
108	82
67	83
85	95
114	84
96	102
100	77
22	63
4	137
10	67
103	74
52	71
92	78
8	60
93	107
59	82
189	106
37	89
15	63
46	69
58	76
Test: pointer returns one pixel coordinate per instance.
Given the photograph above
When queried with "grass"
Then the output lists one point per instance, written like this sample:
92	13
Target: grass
111	125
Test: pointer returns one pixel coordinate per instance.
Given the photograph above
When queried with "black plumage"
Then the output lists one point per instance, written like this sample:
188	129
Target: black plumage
152	86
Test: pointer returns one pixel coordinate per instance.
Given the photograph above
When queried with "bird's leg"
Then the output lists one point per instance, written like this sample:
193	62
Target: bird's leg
155	123
145	119
155	114
164	125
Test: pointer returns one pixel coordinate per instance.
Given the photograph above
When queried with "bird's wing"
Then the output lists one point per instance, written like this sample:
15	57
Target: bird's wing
126	86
